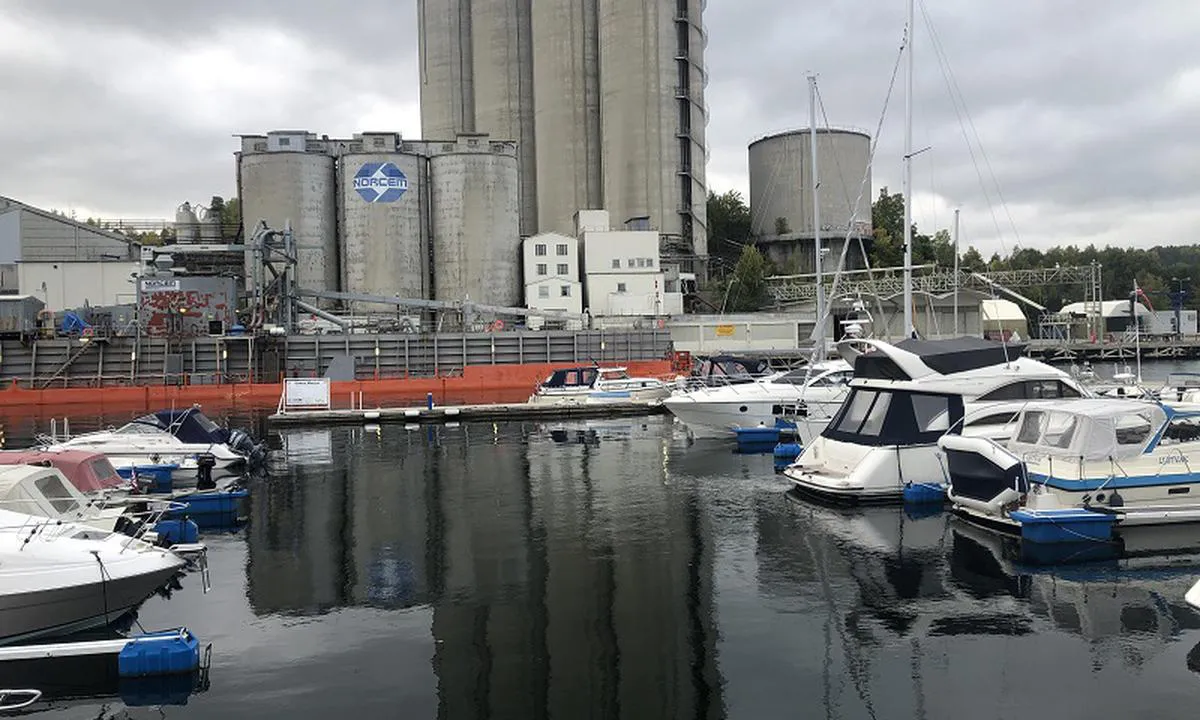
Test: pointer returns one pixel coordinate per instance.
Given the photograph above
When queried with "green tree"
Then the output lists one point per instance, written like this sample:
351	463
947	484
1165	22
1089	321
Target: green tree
746	287
231	218
972	261
728	226
781	226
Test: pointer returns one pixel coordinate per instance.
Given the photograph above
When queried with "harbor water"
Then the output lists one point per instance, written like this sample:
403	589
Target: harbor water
617	569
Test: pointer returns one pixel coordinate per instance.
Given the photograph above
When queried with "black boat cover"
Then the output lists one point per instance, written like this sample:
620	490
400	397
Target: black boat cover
189	425
943	356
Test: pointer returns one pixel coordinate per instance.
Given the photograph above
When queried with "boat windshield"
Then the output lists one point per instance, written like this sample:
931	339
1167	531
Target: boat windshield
894	417
614	375
57	493
808	377
137	428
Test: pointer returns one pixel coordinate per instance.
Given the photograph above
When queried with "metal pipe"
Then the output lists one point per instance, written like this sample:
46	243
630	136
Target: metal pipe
340	322
908	110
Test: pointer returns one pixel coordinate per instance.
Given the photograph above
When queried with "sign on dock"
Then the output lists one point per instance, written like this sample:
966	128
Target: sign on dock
305	394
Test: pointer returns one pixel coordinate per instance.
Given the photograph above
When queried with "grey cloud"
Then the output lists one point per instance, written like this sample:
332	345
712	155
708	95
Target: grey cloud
1069	97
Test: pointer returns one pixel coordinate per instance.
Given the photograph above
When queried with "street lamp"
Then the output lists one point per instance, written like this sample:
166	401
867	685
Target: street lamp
1177	303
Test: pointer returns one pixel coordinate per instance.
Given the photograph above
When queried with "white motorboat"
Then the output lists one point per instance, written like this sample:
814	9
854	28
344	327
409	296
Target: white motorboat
593	384
140	443
809	395
903	398
57	578
1128	460
44	491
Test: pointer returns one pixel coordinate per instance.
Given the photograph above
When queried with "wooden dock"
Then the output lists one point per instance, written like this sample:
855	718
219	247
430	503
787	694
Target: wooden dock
1123	349
467	413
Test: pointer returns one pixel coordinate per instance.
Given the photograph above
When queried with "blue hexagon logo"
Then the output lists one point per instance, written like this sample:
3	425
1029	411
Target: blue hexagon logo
380	182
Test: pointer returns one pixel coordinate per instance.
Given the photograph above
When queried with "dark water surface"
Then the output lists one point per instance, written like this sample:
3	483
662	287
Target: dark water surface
611	569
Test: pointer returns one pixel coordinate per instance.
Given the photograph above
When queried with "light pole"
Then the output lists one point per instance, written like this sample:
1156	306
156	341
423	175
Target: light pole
1177	304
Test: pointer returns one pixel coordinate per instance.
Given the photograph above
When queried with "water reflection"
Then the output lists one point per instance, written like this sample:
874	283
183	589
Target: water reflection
561	582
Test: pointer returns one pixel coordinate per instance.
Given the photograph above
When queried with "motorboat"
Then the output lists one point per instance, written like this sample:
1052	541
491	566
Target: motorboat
144	442
808	396
43	490
58	578
594	384
191	425
1127	460
903	398
89	472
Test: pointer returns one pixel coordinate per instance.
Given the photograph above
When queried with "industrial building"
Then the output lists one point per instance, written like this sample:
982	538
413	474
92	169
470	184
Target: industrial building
538	73
61	261
379	215
551	271
624	271
781	198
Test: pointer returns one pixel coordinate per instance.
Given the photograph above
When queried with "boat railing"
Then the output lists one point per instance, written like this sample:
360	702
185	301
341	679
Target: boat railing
17	699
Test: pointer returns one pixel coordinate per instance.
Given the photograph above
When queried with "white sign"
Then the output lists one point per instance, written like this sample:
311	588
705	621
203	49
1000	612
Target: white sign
152	285
310	393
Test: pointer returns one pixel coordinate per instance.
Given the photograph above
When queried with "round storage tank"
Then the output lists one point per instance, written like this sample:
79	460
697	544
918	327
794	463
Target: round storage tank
476	235
385	249
282	187
781	183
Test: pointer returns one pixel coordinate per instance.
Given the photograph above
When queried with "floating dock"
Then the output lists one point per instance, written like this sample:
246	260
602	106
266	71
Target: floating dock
467	413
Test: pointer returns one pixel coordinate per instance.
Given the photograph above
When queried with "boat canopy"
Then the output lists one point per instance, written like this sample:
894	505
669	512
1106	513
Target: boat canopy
189	425
1090	429
572	377
88	471
917	358
38	490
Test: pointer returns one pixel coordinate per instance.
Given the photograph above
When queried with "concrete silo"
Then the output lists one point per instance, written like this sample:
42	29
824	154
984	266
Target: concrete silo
476	235
781	208
285	184
566	83
384	225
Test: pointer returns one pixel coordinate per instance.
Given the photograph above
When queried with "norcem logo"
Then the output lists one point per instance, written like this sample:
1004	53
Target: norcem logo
380	182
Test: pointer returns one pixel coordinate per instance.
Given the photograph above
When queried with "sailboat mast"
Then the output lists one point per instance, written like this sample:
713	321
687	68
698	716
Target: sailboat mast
819	329
956	282
907	183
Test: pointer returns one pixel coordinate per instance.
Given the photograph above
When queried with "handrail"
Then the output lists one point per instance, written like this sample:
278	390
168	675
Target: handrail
34	696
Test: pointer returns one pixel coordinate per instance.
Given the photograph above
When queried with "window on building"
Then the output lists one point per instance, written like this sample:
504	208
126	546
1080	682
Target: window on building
616	263
541	269
649	262
544	291
563	269
539	249
669	286
561	249
284	141
630	262
641	262
566	291
620	287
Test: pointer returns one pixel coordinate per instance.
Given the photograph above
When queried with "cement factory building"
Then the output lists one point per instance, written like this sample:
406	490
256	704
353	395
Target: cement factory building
379	215
539	74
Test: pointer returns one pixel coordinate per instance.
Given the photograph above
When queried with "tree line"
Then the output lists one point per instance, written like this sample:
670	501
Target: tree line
740	270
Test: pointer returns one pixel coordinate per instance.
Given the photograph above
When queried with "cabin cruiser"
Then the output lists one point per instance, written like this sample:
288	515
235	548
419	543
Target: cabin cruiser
90	472
903	398
45	491
1129	460
152	441
810	395
598	385
57	577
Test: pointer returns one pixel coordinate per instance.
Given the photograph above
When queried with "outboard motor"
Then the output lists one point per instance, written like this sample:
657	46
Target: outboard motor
204	472
241	442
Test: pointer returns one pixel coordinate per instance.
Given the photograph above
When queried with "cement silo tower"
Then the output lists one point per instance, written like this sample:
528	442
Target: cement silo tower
540	74
382	197
476	235
476	75
280	182
781	208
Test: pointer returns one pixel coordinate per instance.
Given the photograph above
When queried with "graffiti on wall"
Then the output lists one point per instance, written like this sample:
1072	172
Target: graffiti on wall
185	312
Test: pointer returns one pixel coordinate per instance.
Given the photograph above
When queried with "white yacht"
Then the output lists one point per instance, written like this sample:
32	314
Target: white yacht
140	443
1124	460
598	385
903	398
57	577
809	395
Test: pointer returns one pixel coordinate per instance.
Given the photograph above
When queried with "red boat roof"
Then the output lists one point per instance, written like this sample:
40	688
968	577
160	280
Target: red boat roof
88	471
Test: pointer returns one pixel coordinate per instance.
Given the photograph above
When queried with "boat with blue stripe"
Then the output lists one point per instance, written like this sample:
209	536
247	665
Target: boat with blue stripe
1080	469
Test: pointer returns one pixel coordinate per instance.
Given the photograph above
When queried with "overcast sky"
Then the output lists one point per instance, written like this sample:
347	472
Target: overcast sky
1086	110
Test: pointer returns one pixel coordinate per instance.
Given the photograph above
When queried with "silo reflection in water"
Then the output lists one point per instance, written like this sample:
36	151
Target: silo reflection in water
560	583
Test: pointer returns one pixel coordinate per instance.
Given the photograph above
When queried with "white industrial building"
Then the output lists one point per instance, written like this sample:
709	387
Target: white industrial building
550	264
623	271
61	261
